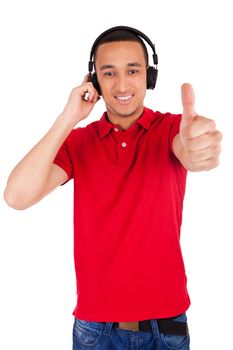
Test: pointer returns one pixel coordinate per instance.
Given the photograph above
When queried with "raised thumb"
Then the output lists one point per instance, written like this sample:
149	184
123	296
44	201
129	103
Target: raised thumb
188	101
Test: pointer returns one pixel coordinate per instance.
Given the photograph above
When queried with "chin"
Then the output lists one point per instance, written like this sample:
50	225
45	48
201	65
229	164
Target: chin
125	111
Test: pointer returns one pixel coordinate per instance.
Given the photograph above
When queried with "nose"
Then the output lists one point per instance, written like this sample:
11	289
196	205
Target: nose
121	84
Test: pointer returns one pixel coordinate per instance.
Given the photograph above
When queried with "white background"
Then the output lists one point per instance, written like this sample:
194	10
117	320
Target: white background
45	49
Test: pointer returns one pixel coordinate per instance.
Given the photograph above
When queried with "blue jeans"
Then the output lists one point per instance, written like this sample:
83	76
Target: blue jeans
101	336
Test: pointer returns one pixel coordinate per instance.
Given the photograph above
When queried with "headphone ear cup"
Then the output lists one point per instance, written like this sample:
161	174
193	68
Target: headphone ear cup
152	74
93	79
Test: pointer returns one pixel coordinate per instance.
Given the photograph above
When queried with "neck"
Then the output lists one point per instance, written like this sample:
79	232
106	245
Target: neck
124	121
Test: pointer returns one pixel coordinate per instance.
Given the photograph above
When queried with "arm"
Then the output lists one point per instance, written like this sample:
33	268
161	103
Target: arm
36	175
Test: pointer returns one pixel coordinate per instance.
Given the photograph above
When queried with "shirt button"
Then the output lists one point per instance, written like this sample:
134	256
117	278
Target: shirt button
115	129
123	144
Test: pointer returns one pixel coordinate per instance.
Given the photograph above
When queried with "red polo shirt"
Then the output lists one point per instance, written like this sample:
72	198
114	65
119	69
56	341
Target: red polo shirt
128	197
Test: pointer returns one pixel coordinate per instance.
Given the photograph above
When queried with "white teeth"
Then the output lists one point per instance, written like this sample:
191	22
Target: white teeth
124	98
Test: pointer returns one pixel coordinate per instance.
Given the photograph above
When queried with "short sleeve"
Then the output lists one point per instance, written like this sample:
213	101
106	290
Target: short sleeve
63	159
174	129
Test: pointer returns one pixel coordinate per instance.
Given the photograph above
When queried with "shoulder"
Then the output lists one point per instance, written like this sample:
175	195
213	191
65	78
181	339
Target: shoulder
160	119
79	133
167	117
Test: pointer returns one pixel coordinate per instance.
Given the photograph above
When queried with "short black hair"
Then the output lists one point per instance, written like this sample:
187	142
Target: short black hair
122	35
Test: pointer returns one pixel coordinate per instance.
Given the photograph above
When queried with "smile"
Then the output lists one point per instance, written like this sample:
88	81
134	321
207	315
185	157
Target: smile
124	99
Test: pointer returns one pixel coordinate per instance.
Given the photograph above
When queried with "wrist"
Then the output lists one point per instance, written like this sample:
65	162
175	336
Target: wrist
180	151
66	121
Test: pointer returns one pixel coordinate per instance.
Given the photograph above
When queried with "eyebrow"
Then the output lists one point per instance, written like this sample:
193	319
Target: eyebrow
131	64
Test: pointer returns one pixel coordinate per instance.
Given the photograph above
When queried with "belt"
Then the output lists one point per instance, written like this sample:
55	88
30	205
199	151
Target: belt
165	325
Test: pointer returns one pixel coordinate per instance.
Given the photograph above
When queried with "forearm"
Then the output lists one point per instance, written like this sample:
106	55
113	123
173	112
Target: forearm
28	179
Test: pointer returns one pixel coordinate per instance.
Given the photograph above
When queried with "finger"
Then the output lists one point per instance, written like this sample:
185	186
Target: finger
96	98
188	101
204	141
205	154
92	93
201	126
89	93
87	87
86	78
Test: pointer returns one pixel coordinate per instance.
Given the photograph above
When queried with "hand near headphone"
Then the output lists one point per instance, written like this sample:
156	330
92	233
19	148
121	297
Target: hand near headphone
199	140
81	101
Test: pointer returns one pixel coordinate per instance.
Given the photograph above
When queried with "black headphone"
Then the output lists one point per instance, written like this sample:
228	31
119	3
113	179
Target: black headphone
152	72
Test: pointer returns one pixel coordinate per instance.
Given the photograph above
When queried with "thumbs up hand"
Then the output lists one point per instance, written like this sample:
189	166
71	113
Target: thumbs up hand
197	146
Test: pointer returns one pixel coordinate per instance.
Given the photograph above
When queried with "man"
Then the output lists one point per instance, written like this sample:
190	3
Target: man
129	170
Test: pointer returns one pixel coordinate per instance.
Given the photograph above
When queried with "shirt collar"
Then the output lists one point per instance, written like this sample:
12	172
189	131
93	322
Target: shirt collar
144	120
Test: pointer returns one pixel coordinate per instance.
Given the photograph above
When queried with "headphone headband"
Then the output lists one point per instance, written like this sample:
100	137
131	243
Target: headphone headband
130	29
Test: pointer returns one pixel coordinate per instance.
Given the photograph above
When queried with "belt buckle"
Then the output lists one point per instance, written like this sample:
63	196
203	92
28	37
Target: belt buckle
129	326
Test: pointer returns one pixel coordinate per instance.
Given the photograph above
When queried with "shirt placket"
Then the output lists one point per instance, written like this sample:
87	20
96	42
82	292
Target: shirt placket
123	145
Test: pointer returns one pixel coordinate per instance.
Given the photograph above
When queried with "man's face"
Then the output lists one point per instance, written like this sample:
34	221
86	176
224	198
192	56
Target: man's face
121	72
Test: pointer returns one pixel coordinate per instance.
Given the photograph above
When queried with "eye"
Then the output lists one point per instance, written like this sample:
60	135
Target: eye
108	74
133	71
